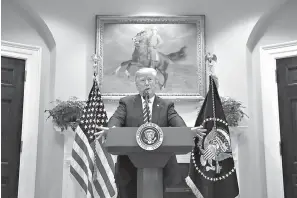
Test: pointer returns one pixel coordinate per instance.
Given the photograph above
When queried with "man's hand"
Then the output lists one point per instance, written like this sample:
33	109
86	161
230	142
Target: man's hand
198	132
102	132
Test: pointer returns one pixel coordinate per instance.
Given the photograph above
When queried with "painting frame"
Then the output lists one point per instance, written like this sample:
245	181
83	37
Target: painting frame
198	20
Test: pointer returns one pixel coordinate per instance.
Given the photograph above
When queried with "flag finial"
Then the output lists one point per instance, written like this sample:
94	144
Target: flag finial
96	60
210	59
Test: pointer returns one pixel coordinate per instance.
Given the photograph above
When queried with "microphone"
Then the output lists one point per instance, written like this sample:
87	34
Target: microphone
146	95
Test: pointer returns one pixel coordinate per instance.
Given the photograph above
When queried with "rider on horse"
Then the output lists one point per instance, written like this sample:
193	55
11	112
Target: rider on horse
154	42
148	43
146	54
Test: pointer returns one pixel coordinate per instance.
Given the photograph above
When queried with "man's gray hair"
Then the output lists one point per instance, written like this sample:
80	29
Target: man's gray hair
145	70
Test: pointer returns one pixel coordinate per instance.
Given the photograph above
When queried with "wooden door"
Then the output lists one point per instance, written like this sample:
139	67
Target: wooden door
12	92
287	94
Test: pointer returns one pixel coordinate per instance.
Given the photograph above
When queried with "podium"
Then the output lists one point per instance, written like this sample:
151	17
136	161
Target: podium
149	164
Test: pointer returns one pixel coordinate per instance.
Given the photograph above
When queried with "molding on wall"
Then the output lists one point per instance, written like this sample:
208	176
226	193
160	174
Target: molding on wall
115	99
28	157
271	128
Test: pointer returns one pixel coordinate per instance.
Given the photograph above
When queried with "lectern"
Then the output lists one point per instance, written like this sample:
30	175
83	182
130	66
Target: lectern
149	164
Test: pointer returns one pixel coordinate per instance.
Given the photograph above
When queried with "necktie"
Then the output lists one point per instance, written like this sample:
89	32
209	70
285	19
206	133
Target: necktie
146	112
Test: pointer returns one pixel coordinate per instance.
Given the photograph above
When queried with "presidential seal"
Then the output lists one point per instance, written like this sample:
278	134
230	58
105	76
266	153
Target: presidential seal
149	136
212	157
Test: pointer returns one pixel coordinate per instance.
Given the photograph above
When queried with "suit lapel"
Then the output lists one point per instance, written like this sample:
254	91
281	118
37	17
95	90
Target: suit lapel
138	109
156	110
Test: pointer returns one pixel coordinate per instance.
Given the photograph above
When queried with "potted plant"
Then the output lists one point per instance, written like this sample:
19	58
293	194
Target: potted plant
233	110
66	114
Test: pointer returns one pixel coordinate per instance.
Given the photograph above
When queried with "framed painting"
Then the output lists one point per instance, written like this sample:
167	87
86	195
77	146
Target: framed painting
173	45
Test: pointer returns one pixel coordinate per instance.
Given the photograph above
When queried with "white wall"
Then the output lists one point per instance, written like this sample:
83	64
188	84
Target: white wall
72	24
73	28
15	28
280	28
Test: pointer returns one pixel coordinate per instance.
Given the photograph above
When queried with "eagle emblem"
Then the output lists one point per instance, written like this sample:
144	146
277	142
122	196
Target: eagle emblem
215	147
149	136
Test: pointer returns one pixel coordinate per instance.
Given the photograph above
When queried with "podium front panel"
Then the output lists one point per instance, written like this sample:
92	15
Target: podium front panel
122	141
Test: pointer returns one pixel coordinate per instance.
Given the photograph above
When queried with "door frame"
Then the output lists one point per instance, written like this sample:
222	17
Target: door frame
30	122
270	114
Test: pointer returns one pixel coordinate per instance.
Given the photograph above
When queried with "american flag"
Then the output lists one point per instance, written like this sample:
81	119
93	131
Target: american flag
91	165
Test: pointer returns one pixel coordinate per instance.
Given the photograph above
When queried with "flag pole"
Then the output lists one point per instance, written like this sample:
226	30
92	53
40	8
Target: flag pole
211	59
95	59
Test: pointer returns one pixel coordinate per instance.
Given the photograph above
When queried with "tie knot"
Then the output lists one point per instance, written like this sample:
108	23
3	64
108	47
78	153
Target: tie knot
148	101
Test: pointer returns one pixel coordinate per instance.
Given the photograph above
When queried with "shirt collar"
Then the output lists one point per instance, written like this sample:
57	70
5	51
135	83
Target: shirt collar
151	99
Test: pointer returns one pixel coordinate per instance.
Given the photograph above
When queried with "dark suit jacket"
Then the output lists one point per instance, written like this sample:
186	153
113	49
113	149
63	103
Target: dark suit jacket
129	114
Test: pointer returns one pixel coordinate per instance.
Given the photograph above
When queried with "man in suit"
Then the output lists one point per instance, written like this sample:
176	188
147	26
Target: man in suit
130	114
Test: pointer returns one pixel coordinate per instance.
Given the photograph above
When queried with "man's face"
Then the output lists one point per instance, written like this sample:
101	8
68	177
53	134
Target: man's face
146	81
